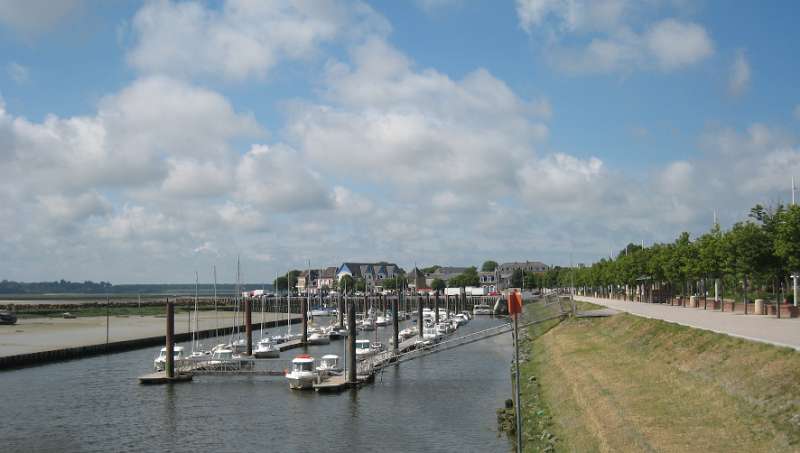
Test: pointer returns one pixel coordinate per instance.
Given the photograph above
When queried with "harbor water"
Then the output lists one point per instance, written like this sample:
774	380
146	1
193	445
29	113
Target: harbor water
443	402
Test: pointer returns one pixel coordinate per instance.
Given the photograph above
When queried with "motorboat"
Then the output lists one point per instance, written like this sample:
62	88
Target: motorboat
319	338
303	373
482	309
267	349
336	333
178	358
430	334
224	359
239	346
8	317
443	328
329	364
320	312
367	324
382	321
407	333
68	315
364	350
461	319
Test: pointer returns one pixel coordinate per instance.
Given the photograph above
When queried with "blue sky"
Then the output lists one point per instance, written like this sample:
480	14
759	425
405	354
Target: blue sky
144	140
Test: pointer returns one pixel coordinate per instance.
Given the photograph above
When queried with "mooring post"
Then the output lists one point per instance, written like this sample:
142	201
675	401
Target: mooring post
170	365
396	325
304	314
436	307
419	316
340	308
248	324
351	341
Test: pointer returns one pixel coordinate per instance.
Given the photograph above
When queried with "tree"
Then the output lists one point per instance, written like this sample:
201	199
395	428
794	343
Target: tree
361	285
346	284
438	284
467	278
279	284
516	278
746	250
489	266
787	238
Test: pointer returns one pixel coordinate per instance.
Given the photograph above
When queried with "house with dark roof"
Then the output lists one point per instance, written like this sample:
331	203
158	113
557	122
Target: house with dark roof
444	273
372	273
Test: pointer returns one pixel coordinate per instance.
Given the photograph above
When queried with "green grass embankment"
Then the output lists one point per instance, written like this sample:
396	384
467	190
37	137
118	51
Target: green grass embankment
627	383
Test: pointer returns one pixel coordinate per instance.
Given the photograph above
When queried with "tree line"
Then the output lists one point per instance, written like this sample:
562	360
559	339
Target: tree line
754	257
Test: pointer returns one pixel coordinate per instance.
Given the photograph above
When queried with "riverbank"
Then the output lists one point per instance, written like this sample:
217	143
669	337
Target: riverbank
627	383
40	340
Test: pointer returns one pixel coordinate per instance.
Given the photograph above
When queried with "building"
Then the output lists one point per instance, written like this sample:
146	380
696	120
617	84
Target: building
316	280
444	273
488	280
372	273
536	267
506	270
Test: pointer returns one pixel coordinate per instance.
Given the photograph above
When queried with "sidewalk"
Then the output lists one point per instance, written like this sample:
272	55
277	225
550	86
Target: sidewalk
765	329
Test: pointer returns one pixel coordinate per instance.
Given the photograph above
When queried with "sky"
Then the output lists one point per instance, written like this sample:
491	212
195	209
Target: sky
141	141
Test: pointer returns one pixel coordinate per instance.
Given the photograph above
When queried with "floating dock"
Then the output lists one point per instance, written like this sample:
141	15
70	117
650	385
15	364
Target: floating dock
160	377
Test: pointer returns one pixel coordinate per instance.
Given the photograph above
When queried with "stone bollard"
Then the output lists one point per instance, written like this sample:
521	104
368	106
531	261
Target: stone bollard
759	309
693	302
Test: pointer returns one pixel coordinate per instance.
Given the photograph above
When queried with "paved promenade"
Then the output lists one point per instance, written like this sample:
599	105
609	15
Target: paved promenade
45	334
766	329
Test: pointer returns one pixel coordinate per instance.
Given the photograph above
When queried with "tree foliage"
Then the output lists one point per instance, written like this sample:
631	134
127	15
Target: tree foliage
489	266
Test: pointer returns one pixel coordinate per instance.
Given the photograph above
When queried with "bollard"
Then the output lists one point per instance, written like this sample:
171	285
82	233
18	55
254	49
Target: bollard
170	365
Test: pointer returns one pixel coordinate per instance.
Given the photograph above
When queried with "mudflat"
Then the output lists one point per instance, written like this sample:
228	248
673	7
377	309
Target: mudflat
45	334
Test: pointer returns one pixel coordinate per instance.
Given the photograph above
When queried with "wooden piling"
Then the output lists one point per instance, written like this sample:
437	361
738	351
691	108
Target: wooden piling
436	308
396	324
248	324
304	314
419	316
170	365
351	341
340	310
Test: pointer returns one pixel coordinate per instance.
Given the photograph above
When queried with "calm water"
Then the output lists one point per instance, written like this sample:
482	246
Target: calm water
441	403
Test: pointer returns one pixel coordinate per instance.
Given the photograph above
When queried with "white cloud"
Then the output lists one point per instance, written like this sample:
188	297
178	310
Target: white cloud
416	129
606	36
18	73
675	44
34	16
277	177
243	38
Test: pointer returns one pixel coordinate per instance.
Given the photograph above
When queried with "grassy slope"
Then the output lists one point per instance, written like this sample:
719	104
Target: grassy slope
632	384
